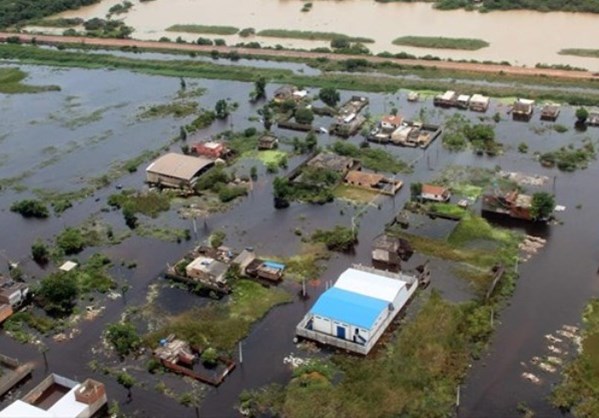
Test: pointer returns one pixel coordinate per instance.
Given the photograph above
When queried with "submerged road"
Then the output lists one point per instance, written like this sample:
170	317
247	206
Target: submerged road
265	53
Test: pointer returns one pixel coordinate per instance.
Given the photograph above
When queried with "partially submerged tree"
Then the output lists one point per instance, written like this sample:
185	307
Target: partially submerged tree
581	115
221	109
123	337
415	190
40	252
542	207
304	116
329	96
57	293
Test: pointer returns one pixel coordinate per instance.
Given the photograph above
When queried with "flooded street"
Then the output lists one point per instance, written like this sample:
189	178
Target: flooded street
61	141
539	36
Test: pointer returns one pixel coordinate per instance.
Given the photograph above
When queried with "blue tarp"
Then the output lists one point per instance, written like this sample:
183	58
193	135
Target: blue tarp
274	265
349	307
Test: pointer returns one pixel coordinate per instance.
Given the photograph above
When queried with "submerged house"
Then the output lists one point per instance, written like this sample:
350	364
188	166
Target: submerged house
13	293
463	101
207	270
177	170
522	109
390	250
373	181
593	119
447	99
268	141
479	103
210	149
550	112
59	397
435	193
253	267
513	204
356	311
390	123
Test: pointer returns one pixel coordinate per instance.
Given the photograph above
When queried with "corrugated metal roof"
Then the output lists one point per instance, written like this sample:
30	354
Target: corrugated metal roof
369	284
349	307
179	166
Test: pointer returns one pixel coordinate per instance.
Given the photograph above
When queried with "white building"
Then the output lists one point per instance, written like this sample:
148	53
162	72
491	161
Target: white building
357	310
59	397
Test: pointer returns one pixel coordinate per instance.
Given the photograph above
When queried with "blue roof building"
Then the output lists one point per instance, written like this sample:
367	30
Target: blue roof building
354	313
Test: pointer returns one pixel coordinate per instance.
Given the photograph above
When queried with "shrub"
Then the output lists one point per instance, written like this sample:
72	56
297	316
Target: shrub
70	241
123	337
39	252
304	116
209	357
30	208
57	293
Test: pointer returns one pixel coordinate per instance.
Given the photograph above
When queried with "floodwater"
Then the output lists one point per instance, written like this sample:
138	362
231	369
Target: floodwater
551	291
520	37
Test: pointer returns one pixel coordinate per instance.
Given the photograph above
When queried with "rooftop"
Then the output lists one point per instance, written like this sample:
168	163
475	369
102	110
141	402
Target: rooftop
356	176
349	307
479	98
370	284
331	161
432	189
179	166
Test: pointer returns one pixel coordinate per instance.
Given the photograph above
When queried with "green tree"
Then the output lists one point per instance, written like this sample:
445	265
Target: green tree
304	116
130	218
259	89
70	241
58	292
217	238
221	109
209	357
123	337
182	133
542	206
415	190
182	83
254	173
311	141
266	114
339	43
582	114
40	252
329	95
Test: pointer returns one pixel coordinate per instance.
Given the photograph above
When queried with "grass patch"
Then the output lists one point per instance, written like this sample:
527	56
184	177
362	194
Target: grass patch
375	159
221	325
175	109
20	324
580	52
450	210
579	390
355	194
474	228
340	238
467	190
163	233
570	158
150	204
311	35
205	29
306	264
438	42
406	379
11	83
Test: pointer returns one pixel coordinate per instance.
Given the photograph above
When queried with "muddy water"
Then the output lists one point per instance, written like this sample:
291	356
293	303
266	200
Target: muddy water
520	37
560	277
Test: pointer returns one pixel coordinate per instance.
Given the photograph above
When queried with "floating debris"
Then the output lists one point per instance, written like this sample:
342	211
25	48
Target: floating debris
295	362
566	334
553	339
555	360
555	350
524	179
571	328
536	360
531	378
547	367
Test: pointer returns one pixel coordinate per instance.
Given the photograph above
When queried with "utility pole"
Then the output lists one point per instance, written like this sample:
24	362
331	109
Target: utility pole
240	353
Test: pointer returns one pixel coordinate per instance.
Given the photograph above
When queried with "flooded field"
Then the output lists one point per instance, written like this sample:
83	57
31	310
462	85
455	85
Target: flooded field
539	35
62	141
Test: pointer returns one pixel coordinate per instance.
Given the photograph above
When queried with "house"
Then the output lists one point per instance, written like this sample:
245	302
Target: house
356	311
177	170
334	162
210	149
593	119
479	103
550	112
59	397
390	250
390	123
413	96
12	373
207	269
400	135
463	101
522	109
253	267
287	92
374	182
13	293
180	357
512	203
435	193
447	99
268	141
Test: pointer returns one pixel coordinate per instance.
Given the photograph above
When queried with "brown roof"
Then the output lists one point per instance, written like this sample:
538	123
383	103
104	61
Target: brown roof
355	176
432	189
179	166
392	119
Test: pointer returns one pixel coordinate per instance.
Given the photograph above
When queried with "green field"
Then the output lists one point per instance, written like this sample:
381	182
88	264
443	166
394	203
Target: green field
11	83
468	44
205	29
317	36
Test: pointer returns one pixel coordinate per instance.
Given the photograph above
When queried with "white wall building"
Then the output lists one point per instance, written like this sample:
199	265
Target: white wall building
357	310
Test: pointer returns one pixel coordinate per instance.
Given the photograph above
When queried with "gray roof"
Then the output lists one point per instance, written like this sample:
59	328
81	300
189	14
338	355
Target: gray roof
179	166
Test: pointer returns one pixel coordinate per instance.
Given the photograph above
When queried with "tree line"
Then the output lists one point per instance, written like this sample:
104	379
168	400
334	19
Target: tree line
17	11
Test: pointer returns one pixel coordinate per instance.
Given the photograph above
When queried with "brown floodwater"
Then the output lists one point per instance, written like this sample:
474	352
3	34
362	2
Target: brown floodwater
520	37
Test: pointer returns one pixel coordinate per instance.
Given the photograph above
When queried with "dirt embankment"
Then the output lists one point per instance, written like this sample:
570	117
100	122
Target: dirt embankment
446	65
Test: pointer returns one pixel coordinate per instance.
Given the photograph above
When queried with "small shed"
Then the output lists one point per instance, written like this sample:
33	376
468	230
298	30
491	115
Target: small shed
391	250
523	109
391	122
550	112
463	101
68	266
177	170
593	119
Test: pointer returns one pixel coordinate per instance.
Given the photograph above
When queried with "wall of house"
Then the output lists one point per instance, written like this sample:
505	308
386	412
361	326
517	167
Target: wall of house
165	180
